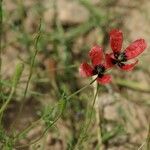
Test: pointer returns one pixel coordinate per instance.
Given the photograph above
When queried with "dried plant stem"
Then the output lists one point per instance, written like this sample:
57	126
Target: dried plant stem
146	143
141	147
99	115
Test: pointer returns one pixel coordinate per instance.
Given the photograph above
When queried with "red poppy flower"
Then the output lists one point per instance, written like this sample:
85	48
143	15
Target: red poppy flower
98	67
120	58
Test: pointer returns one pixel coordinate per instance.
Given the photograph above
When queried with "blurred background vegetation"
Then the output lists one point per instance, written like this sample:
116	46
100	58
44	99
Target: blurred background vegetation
51	38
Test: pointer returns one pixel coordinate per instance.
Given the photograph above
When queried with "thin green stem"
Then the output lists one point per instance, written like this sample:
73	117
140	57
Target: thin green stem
44	132
58	117
93	103
8	100
1	32
30	72
87	124
63	68
28	128
15	80
99	116
75	93
99	128
32	62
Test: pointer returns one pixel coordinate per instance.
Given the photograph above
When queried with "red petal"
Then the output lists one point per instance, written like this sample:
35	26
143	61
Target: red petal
85	70
104	79
96	55
129	67
116	38
108	59
136	48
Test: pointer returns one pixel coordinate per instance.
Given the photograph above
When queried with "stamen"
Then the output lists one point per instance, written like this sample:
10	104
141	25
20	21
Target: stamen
116	54
100	69
123	57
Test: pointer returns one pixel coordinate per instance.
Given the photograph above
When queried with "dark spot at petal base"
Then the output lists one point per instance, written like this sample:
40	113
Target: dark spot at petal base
99	69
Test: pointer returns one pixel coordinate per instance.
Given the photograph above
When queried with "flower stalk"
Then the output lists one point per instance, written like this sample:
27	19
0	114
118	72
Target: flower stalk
98	112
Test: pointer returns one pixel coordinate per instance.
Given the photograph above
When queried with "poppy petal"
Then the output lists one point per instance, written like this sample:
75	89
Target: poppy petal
116	38
104	79
85	70
135	48
96	55
129	67
109	60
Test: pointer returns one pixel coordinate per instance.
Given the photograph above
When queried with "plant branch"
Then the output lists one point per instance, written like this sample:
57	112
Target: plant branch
30	72
58	117
98	121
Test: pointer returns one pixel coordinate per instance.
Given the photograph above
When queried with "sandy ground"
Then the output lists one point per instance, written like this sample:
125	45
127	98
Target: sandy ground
120	104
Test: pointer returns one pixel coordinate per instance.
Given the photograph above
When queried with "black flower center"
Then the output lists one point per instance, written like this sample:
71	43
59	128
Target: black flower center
116	54
119	59
99	70
122	57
